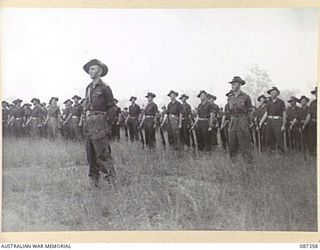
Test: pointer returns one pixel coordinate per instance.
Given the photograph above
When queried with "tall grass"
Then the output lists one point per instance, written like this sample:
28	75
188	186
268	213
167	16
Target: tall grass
45	188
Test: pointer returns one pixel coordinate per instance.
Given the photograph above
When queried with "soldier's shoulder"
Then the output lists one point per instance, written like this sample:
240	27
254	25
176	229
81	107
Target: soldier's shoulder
245	94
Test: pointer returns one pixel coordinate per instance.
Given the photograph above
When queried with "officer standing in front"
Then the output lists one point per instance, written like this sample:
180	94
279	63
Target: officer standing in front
186	121
240	107
98	101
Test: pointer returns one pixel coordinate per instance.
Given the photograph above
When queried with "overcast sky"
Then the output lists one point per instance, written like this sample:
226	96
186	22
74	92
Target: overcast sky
44	50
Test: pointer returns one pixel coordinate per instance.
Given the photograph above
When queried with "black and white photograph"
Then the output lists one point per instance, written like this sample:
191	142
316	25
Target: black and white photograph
159	119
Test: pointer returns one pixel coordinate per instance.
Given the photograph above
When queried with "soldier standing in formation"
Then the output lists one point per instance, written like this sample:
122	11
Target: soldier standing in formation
174	116
275	116
53	118
27	115
203	122
149	121
44	128
225	122
98	102
215	123
132	120
17	118
76	115
304	111
311	122
35	118
261	131
240	107
293	134
186	121
115	125
5	117
66	117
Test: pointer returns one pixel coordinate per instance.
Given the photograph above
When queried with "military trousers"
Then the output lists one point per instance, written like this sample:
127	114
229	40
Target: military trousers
240	139
173	132
76	129
52	127
98	149
313	138
224	136
133	125
203	135
185	132
35	127
17	127
150	133
293	138
274	135
115	132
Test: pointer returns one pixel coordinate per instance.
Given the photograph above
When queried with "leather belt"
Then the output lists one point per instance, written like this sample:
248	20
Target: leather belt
97	112
239	115
74	116
17	118
203	119
274	117
33	118
149	116
173	115
133	117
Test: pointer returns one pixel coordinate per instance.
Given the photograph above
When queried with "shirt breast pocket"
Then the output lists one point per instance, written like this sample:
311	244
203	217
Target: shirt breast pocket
97	94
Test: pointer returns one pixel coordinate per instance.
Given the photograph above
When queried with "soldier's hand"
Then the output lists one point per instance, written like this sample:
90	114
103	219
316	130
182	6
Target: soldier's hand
80	124
291	127
118	123
283	129
210	128
303	127
154	126
180	126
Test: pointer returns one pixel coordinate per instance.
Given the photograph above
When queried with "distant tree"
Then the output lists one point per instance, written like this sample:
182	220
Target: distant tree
257	82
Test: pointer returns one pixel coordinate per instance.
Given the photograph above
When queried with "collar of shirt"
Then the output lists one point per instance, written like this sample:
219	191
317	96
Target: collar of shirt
240	93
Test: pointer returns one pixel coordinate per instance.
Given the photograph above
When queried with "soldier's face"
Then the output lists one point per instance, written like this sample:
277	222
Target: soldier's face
184	99
133	101
235	86
172	97
95	71
273	93
303	102
203	97
150	99
293	103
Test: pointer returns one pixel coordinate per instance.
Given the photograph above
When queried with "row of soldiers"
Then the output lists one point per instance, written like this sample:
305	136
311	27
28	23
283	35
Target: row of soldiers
272	124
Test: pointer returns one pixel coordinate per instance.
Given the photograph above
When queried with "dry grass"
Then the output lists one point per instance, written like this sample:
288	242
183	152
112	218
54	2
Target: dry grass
45	188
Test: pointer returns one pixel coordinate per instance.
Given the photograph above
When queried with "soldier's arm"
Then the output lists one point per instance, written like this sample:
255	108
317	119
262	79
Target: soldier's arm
284	119
68	118
195	122
28	121
10	120
223	121
308	118
211	120
180	120
142	120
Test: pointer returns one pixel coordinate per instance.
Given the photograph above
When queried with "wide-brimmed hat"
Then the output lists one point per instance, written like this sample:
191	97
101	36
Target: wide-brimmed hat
261	96
238	79
230	93
132	97
151	94
17	101
304	97
35	100
54	98
104	67
210	96
293	99
202	92
164	107
5	103
184	96
314	91
272	89
26	104
76	97
126	108
68	100
173	92
115	100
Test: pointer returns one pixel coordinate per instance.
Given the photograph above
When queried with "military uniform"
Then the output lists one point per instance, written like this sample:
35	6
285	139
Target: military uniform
150	113
304	111
67	124
274	123
240	107
44	127
225	128
18	114
186	124
35	122
115	124
76	130
5	117
133	122
293	136
215	125
98	102
53	121
173	112
203	135
258	114
313	128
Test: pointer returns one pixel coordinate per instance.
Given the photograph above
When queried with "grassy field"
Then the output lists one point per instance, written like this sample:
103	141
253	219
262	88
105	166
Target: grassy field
45	188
